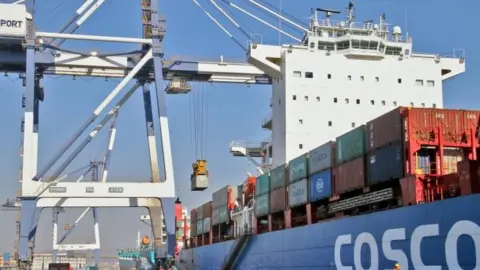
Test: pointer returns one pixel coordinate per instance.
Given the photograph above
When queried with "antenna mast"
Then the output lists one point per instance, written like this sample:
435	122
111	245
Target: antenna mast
350	13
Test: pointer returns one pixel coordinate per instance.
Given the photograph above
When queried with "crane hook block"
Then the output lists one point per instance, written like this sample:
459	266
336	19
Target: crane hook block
199	177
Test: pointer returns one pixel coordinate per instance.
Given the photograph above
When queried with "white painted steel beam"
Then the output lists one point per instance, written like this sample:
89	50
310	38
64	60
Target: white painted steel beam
88	202
94	38
99	190
70	64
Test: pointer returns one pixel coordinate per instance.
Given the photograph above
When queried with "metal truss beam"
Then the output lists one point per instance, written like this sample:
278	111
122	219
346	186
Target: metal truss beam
70	64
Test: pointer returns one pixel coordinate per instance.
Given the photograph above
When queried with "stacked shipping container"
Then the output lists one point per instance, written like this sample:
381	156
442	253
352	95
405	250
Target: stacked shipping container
262	197
221	200
278	196
397	145
204	215
350	160
321	161
298	184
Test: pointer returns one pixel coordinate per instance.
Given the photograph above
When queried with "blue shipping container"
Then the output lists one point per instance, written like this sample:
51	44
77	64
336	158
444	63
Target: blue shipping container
385	164
6	257
321	185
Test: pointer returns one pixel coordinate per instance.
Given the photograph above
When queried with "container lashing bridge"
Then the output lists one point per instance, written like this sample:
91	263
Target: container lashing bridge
35	54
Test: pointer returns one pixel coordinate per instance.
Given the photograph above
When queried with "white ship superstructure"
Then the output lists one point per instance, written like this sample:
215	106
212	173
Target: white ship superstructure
344	74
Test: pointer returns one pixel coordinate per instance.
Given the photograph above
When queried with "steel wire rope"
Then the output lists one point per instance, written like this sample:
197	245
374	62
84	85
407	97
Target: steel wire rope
275	18
220	25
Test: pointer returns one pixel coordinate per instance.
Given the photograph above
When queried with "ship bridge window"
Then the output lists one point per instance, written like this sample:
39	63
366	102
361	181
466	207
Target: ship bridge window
297	74
329	123
309	75
419	82
347	101
395	103
434	105
326	46
318	99
381	48
364	44
393	50
294	97
372	102
399	80
423	105
430	83
305	98
300	146
383	102
362	78
358	101
334	100
343	45
377	79
353	124
312	45
349	77
329	76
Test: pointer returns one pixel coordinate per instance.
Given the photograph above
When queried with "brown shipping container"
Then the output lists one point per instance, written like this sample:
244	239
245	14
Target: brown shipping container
385	129
350	175
193	215
207	209
278	200
426	119
412	190
469	178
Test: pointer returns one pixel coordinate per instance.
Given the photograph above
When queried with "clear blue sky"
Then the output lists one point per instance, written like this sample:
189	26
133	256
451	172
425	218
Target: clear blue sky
234	111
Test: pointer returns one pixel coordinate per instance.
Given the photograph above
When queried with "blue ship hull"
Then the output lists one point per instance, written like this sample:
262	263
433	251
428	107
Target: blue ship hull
445	234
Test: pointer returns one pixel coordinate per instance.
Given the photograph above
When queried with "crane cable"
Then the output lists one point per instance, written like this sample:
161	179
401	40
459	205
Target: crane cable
198	109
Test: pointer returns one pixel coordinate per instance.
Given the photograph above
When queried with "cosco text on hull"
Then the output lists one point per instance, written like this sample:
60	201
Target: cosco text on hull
412	251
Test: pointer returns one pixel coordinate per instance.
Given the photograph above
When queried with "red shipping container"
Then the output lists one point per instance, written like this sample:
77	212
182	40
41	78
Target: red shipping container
278	200
350	175
193	215
412	190
471	119
423	121
207	209
385	129
469	176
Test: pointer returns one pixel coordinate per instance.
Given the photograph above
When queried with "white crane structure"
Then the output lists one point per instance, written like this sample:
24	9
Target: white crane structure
34	54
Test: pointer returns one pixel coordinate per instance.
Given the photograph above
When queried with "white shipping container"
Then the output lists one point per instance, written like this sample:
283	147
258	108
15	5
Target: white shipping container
321	158
298	193
220	197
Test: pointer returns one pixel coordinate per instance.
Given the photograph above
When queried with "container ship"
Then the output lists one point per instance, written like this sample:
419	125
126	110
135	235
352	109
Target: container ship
364	168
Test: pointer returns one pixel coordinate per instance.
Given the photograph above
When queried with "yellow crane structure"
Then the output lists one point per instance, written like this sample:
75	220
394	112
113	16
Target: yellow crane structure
198	124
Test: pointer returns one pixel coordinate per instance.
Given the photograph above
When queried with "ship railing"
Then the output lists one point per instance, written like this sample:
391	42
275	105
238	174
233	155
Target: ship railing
267	119
456	53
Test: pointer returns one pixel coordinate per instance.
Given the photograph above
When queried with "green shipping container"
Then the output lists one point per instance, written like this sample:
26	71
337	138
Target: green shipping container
262	184
298	168
277	178
200	227
262	205
351	145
